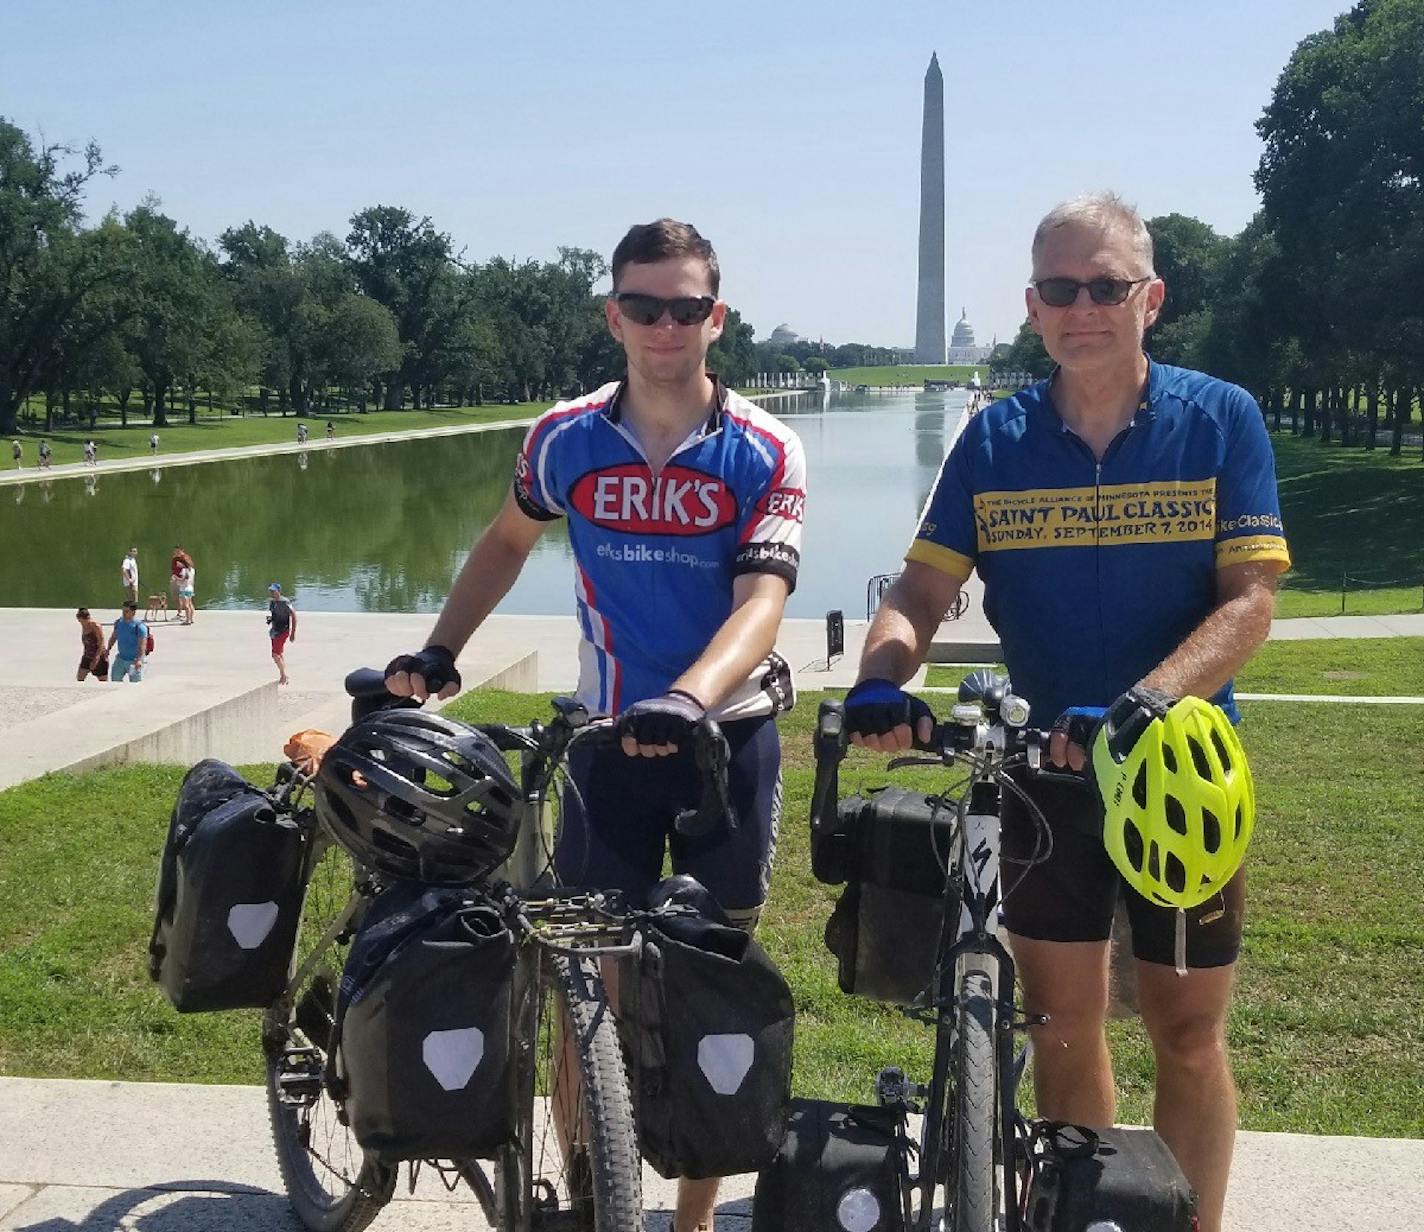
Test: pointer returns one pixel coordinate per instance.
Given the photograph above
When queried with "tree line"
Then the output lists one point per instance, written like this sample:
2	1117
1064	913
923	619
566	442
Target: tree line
135	313
1317	306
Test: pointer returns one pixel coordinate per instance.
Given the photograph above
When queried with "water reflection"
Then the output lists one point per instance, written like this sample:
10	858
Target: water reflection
386	528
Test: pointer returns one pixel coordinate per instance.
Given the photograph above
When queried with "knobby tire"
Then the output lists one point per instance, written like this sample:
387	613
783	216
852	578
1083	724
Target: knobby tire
607	1179
333	1185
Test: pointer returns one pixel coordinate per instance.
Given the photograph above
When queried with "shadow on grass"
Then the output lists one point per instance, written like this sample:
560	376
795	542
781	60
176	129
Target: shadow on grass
1348	511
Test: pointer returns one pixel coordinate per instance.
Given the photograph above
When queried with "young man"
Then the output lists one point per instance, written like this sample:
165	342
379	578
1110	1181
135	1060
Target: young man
282	628
128	574
684	503
1123	516
131	634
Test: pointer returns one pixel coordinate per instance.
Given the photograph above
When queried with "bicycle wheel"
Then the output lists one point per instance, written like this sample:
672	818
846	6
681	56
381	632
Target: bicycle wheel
594	1184
974	1192
331	1182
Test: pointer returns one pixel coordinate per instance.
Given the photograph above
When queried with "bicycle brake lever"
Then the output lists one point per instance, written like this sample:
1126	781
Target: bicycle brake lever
715	807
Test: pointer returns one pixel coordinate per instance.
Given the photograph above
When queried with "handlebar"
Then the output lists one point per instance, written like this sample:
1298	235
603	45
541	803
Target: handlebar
550	743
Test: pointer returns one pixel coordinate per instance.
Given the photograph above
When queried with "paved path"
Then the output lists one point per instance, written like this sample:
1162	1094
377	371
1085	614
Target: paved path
160	1157
195	457
219	671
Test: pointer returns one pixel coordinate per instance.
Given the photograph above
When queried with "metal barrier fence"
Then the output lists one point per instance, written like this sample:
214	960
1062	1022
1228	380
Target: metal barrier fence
1354	581
877	586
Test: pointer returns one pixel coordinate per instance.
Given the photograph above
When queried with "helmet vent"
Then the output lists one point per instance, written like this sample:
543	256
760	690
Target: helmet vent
1240	821
1154	861
1222	754
441	787
1132	843
1169	758
1139	786
1199	759
1176	815
1176	874
1211	832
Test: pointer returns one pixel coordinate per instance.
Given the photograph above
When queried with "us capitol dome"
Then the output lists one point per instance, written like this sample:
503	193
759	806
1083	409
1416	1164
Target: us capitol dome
962	349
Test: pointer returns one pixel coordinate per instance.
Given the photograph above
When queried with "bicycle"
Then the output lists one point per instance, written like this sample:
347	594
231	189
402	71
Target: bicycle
532	1184
973	1141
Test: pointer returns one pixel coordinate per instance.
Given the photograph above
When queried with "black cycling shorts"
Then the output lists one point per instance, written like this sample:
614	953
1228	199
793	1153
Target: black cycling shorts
1072	895
618	824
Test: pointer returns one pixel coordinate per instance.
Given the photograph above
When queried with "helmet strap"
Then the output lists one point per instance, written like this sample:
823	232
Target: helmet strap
1180	946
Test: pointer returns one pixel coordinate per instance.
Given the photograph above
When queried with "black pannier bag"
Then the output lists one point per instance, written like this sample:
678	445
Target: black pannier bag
424	1024
891	850
706	1020
1126	1177
229	895
838	1170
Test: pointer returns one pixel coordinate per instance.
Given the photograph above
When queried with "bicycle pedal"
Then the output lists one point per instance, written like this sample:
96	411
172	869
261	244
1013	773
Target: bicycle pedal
299	1077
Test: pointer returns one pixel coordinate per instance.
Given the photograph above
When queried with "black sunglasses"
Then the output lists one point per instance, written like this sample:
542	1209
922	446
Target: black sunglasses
1060	292
648	309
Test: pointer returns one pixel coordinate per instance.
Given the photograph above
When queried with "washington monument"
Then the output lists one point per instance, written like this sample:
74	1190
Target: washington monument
929	316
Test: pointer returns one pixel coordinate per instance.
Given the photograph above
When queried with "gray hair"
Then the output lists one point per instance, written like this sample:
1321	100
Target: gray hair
1100	211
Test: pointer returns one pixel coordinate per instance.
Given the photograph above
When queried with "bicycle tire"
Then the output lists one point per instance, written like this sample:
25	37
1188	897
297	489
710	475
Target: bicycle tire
976	1094
605	1175
332	1184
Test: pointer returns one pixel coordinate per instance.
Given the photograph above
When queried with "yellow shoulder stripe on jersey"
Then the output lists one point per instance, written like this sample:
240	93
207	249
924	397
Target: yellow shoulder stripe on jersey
941	558
1249	548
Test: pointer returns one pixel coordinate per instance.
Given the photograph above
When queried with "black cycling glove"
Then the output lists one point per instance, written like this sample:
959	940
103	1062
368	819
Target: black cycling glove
1080	724
434	663
876	707
668	719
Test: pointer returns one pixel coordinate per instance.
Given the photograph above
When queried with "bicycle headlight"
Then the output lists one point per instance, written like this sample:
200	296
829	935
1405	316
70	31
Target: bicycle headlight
1014	710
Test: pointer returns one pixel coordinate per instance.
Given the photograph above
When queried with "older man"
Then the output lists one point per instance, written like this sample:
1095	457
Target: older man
1124	519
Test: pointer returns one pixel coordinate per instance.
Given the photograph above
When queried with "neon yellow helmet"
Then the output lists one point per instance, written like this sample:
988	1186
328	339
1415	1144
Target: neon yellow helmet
1178	801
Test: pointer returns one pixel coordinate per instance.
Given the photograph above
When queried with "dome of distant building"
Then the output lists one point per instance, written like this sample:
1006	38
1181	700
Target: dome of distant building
783	335
963	331
962	348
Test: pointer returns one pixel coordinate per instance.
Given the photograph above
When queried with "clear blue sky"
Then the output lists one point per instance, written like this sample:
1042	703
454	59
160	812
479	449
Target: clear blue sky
789	133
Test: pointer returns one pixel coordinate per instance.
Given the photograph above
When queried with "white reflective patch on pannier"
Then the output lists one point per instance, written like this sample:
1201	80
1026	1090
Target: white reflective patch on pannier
249	923
725	1060
858	1210
453	1056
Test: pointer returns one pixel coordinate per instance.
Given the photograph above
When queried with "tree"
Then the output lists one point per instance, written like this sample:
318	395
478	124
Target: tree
176	302
734	356
47	267
1026	354
405	265
1342	186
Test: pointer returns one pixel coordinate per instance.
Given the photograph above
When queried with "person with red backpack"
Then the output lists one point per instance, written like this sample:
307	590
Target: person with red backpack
133	640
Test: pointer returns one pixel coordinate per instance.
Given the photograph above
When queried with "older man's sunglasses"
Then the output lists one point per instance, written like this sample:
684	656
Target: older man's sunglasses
1060	292
648	309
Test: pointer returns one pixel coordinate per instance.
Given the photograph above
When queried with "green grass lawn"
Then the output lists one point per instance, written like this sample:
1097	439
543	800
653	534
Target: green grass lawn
1327	1029
1354	667
1348	511
231	431
908	374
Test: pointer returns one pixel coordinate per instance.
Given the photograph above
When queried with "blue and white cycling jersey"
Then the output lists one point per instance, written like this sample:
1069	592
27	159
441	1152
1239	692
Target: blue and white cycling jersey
1094	572
655	555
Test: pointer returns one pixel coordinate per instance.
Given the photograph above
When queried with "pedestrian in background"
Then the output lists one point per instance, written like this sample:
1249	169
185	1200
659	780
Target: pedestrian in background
330	430
128	571
131	635
44	455
94	658
282	622
18	453
153	443
185	590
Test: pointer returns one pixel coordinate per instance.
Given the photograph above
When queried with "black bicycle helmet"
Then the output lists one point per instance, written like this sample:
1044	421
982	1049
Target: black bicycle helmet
417	796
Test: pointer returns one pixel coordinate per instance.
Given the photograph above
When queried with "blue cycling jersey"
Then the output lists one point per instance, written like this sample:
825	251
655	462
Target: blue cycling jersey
1094	572
655	555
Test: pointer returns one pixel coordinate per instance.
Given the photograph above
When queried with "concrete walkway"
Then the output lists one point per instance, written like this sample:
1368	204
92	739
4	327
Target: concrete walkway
159	1157
210	689
195	457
